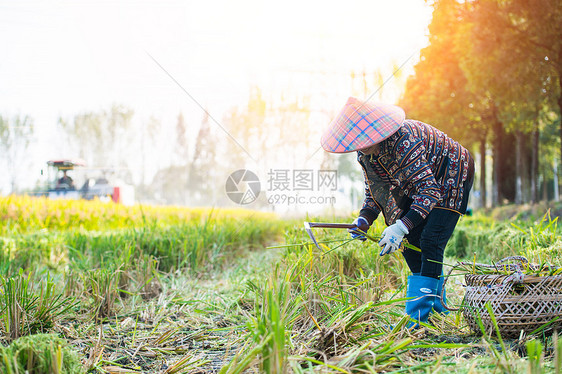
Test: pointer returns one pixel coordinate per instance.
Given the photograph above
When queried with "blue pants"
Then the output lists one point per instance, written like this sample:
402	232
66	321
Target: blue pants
431	236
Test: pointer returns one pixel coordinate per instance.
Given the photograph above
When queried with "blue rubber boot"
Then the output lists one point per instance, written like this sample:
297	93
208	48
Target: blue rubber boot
422	292
438	307
440	303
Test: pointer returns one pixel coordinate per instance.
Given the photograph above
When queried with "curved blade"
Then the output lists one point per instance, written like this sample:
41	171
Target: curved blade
309	231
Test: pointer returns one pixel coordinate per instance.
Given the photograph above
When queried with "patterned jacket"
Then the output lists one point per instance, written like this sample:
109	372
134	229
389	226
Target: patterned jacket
417	168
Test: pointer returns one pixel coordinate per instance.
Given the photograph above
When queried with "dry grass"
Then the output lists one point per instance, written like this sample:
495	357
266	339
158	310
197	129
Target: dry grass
141	302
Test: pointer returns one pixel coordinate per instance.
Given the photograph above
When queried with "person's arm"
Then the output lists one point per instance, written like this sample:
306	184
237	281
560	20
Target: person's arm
367	215
370	209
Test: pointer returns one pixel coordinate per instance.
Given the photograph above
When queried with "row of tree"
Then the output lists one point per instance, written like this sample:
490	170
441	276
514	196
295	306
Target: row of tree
154	156
491	77
166	162
174	162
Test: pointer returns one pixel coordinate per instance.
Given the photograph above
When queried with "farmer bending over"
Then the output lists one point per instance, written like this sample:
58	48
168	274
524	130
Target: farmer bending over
419	179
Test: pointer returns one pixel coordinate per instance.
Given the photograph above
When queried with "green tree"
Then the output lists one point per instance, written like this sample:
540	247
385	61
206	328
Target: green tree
104	138
203	167
118	137
439	93
85	132
15	139
500	57
490	74
181	146
181	156
149	148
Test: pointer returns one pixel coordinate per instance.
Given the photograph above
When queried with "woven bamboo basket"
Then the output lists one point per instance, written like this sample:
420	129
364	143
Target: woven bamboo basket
519	302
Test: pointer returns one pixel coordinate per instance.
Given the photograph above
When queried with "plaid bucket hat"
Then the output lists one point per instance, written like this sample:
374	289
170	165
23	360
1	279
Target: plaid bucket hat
360	125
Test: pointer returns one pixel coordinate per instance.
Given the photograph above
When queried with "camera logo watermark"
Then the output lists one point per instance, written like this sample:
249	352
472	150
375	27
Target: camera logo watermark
284	186
301	180
243	187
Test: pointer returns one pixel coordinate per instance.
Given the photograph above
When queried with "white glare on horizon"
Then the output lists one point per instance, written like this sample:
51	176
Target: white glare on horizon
66	57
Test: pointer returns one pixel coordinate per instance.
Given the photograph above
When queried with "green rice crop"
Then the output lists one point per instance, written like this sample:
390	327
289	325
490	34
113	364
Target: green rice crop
178	238
24	214
488	240
39	354
179	290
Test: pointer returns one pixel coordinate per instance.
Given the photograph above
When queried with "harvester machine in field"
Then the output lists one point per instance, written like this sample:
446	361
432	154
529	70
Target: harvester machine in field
71	179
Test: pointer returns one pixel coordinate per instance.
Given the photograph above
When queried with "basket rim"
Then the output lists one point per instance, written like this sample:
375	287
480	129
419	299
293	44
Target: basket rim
515	277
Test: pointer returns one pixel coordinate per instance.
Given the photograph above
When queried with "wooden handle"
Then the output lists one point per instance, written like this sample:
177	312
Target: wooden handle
332	225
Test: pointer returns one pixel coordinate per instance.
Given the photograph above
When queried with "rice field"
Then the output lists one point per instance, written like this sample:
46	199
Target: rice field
90	287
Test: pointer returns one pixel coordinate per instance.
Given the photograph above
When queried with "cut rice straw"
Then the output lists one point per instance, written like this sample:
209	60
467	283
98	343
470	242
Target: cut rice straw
307	243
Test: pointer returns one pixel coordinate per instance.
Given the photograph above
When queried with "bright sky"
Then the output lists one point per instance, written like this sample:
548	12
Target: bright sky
65	57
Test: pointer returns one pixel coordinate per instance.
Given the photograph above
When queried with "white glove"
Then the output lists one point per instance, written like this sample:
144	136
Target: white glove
392	237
